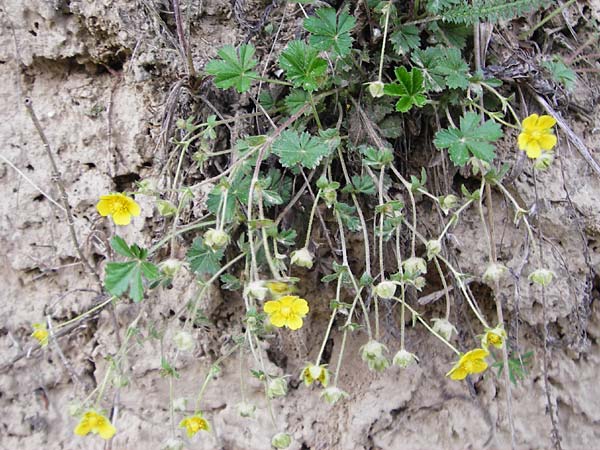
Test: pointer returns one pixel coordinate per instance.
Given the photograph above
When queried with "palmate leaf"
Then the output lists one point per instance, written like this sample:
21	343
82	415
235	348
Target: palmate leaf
328	31
409	88
405	39
454	69
294	148
123	276
303	66
472	138
203	259
234	69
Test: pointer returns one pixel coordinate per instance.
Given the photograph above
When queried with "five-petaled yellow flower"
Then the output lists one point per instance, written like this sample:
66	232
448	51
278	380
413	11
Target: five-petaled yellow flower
119	207
95	423
40	333
469	363
193	424
287	311
494	336
537	135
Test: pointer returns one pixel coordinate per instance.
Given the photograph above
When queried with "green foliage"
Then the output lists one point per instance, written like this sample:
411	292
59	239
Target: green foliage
129	276
295	148
303	66
348	216
473	138
405	39
376	157
485	10
409	87
442	68
203	259
361	185
295	100
234	69
560	73
330	32
518	366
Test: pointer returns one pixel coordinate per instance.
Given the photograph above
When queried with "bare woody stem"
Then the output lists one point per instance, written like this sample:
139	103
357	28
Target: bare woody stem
185	49
56	177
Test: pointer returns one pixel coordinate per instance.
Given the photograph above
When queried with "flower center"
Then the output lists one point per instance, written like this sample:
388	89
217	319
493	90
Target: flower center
120	206
536	134
469	366
286	310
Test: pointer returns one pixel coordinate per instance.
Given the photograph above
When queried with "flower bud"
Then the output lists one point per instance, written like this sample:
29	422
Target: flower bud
376	89
444	328
544	161
256	290
419	283
333	394
413	267
277	387
447	202
493	336
246	409
372	354
330	196
385	289
302	258
165	208
543	277
216	239
405	359
281	440
170	267
184	341
494	272
312	373
434	247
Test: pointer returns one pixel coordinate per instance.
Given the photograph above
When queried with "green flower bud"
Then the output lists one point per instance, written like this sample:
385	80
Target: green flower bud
216	238
170	267
165	208
373	354
277	387
184	341
494	272
333	394
405	359
543	277
544	161
330	196
256	290
246	409
376	89
281	440
447	202
419	283
444	328
302	258
413	267
434	247
385	289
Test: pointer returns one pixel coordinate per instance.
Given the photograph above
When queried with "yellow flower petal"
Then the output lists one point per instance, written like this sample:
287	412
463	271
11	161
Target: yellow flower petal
271	307
530	122
277	319
294	322
533	150
478	353
547	141
300	306
133	208
106	430
104	206
546	122
287	301
122	218
82	428
478	366
523	141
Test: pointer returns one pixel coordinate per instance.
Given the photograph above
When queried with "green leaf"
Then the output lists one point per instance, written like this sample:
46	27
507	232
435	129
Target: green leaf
295	100
405	39
230	282
362	185
123	276
349	219
303	66
472	138
560	72
234	69
427	60
409	88
327	31
203	259
435	6
304	149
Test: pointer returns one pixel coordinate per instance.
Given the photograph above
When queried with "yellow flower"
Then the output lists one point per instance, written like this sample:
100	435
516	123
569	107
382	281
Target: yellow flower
493	336
40	333
287	311
193	424
469	363
537	135
119	207
95	423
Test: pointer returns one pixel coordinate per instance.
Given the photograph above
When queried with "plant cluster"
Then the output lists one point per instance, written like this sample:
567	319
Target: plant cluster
412	62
